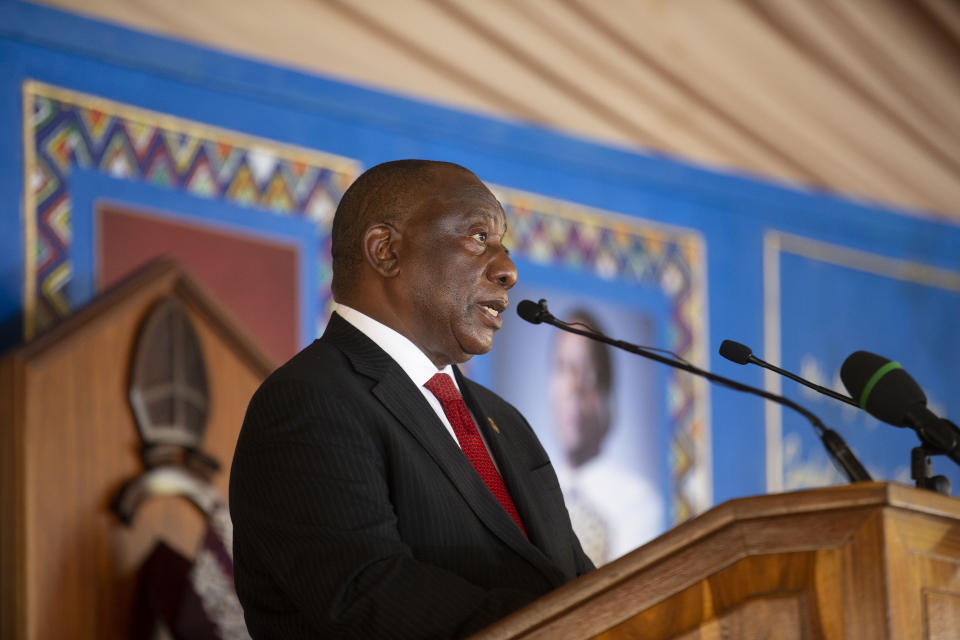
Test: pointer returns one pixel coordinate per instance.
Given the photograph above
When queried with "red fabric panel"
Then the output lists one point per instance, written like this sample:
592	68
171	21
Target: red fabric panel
255	279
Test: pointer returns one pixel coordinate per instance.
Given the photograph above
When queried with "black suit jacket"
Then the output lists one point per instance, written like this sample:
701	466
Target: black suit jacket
356	515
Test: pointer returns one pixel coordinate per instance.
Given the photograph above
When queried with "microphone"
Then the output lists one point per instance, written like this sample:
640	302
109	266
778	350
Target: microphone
537	313
888	393
736	352
534	312
741	354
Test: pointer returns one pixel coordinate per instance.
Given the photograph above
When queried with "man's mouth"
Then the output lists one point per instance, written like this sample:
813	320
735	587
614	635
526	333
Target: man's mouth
494	308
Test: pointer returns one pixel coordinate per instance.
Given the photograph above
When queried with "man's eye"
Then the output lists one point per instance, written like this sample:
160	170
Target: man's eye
480	235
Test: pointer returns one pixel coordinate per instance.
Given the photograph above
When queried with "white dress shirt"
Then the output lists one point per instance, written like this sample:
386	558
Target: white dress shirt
411	359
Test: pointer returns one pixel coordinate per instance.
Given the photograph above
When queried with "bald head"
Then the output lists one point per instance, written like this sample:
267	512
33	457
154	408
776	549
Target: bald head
385	193
419	247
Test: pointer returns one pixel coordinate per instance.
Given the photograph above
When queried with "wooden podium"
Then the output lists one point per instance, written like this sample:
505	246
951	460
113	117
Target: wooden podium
872	561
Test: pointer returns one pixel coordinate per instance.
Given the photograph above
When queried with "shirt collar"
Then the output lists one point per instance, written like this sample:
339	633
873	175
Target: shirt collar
411	359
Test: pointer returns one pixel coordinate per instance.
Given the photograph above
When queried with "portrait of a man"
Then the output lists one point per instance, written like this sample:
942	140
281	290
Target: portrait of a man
613	509
594	411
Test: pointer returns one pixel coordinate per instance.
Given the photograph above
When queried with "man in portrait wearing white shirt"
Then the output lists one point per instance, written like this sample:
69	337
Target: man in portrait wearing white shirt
613	509
375	491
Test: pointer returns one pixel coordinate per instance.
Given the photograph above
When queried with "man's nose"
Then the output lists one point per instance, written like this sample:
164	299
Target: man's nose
503	271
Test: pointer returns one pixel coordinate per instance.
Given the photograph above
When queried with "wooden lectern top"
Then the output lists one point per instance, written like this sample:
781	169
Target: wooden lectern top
870	560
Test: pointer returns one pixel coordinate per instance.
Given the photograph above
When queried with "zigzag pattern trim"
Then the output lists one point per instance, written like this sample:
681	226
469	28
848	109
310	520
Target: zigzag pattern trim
64	130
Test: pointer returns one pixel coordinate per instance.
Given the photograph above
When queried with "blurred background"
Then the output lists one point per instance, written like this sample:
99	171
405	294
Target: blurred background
786	175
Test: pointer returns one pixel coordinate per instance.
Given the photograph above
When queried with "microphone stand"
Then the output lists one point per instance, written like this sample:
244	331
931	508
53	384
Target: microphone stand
921	470
835	445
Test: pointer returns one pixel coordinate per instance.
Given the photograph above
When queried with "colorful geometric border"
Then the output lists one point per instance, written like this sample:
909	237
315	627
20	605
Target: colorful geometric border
626	249
65	129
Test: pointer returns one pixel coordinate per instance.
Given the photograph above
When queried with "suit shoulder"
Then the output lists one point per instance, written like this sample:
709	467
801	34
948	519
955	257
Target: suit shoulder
319	380
315	396
313	363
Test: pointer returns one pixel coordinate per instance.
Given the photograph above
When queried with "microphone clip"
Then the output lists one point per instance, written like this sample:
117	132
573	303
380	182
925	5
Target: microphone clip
921	470
543	313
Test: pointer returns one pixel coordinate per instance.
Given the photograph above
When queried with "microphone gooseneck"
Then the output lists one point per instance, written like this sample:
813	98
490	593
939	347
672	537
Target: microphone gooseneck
741	354
835	444
855	472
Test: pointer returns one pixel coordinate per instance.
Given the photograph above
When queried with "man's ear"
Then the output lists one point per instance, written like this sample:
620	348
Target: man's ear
380	245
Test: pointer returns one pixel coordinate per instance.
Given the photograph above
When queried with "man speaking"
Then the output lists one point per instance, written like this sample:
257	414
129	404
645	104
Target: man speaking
376	492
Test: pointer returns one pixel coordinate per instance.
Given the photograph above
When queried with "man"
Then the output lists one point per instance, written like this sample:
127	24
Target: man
581	380
613	510
372	497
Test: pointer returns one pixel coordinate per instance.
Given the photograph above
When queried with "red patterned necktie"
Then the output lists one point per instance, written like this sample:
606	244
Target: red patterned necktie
441	385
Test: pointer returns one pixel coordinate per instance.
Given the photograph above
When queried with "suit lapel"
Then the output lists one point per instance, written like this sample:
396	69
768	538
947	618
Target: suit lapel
397	393
519	483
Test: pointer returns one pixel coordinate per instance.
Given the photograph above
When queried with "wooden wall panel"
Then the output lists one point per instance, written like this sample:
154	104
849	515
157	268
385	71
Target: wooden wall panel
11	500
941	615
783	618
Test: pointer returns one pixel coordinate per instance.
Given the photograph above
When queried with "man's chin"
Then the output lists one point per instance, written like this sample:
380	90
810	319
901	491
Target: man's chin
475	346
463	359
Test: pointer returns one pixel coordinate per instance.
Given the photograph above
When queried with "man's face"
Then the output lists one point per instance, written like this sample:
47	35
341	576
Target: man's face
454	270
581	409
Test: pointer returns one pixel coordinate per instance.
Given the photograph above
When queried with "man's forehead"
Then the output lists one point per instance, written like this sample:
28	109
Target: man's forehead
451	191
474	198
493	213
470	187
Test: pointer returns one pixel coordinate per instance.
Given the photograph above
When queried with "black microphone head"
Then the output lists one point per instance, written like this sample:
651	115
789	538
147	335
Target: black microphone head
881	387
735	352
529	311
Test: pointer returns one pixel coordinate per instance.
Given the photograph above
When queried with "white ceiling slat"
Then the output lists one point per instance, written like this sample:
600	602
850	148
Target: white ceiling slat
788	102
427	25
670	116
833	112
947	14
566	68
730	87
922	67
419	37
825	41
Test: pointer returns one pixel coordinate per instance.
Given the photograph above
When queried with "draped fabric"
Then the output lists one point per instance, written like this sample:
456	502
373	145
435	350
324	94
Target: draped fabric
854	96
191	599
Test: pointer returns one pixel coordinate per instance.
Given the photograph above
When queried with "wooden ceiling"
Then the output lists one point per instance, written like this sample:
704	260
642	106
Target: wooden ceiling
855	96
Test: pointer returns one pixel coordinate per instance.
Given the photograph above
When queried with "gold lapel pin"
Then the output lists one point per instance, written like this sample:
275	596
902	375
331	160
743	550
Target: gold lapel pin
493	424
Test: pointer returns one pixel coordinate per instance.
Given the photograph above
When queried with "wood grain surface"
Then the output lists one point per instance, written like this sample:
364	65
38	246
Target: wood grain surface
870	561
70	443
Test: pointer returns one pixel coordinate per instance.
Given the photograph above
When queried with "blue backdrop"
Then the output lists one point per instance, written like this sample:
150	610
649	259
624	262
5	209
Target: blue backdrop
802	276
